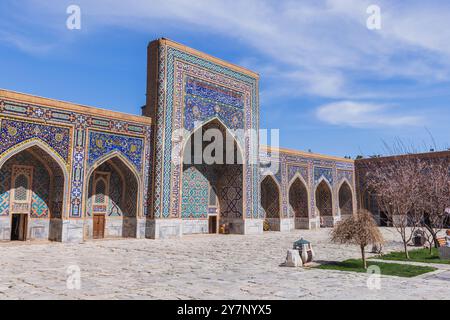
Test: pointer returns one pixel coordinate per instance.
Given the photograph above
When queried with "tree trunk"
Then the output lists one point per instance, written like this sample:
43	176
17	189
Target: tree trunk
436	242
363	256
433	234
405	246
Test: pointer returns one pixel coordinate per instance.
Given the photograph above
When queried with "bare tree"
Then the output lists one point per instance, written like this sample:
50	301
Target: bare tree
359	229
435	197
411	188
396	183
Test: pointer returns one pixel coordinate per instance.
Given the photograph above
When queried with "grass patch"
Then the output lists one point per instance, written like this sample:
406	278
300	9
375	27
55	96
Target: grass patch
387	269
417	255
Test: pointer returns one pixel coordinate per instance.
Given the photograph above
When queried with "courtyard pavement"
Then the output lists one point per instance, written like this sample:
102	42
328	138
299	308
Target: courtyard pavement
199	267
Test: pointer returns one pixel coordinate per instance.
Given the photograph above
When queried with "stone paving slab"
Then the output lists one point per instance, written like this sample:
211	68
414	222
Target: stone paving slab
199	267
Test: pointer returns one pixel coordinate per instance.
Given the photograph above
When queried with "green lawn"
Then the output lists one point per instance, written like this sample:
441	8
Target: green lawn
387	269
417	255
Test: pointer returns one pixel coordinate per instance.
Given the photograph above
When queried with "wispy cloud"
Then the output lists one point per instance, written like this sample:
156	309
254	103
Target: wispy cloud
313	48
25	44
364	115
320	49
308	52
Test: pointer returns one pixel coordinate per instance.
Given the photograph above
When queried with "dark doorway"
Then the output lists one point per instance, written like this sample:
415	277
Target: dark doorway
99	226
19	225
384	221
212	224
215	183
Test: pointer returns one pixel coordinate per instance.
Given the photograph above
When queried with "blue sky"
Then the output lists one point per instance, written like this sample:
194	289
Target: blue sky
327	82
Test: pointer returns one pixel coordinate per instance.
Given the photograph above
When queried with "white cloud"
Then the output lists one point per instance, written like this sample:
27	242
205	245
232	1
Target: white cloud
313	48
363	115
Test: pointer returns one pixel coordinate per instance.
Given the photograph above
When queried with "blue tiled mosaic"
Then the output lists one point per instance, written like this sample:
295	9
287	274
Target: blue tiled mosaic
102	143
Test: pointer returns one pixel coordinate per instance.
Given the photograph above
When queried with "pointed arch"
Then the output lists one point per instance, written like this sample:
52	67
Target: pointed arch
324	198
325	180
299	176
110	156
343	181
35	142
197	179
345	198
29	145
271	202
118	215
304	194
191	133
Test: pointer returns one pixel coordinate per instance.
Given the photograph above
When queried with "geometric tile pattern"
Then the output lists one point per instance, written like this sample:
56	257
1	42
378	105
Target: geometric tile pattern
270	198
194	203
188	90
230	191
345	199
115	194
324	199
41	189
66	134
197	180
5	180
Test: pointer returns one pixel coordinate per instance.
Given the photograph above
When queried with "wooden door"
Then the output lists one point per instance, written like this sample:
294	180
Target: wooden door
100	206
99	226
212	224
19	227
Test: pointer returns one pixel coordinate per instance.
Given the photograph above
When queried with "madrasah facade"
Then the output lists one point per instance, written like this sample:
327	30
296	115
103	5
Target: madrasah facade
71	173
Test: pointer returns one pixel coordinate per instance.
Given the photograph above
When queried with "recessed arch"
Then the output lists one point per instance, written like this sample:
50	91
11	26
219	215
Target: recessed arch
44	204
324	180
271	199
117	215
191	133
298	197
345	198
198	177
111	155
324	198
32	143
35	146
